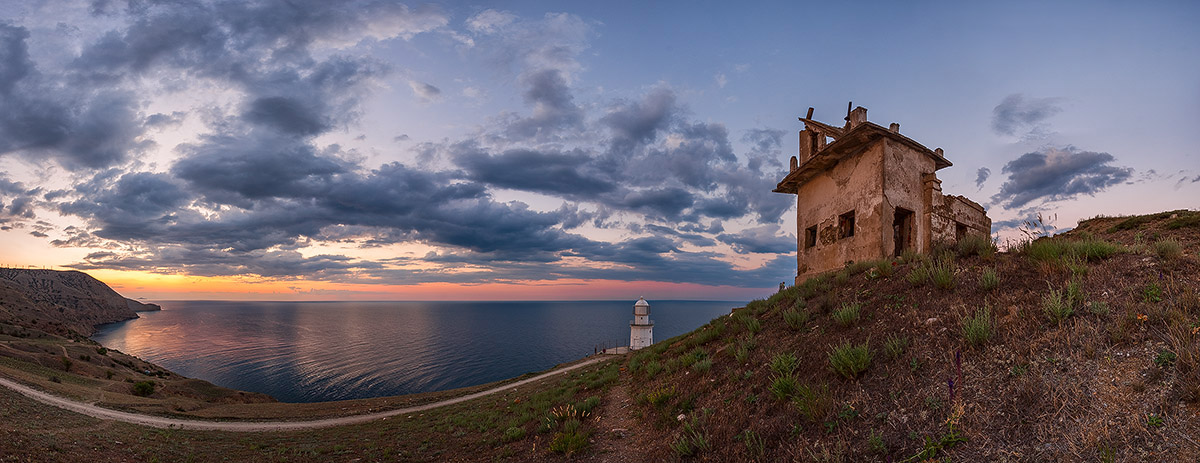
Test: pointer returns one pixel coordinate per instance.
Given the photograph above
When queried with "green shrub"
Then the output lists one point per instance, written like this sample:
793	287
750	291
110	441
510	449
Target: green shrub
1152	293
143	388
752	324
847	314
796	318
660	396
1168	249
102	350
978	329
989	280
703	366
1056	307
895	345
1165	359
850	360
66	363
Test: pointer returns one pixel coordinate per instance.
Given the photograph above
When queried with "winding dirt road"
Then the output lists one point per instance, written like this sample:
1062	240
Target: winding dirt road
261	426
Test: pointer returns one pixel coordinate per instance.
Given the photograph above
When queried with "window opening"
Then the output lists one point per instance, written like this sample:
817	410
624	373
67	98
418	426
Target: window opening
846	225
810	237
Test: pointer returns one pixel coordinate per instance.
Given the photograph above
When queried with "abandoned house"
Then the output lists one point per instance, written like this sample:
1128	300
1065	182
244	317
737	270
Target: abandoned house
864	192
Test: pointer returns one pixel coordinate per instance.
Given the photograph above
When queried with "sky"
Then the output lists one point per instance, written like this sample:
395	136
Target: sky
380	150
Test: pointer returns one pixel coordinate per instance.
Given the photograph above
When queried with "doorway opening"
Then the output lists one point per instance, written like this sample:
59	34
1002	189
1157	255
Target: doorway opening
902	230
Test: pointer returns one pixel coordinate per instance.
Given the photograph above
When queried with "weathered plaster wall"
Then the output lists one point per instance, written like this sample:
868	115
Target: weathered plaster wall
851	185
903	171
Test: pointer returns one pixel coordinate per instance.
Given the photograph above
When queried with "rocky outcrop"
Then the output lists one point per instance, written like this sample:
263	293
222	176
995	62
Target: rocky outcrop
63	301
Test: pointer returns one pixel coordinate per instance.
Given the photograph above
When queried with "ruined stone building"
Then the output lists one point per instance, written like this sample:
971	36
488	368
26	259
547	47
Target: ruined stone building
864	192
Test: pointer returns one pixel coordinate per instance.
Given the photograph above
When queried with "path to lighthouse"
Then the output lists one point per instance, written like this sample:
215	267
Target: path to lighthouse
260	426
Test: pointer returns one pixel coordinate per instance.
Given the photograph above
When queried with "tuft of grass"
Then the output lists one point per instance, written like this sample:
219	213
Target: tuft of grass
784	386
883	268
977	329
895	345
784	364
850	360
653	368
918	275
1056	307
989	280
1057	249
691	441
1168	249
755	444
875	442
796	318
848	314
941	273
753	325
814	403
975	245
513	434
702	366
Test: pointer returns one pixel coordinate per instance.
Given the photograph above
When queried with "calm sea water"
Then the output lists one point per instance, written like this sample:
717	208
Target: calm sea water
319	351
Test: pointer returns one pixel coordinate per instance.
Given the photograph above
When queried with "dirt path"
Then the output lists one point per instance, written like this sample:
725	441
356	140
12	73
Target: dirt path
617	441
260	426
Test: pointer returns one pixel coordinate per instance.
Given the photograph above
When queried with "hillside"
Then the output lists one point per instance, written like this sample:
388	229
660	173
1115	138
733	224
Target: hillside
1080	347
66	303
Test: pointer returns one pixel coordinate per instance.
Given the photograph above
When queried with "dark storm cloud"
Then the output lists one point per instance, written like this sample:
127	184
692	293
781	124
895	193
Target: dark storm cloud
14	57
666	203
639	122
763	239
230	168
556	173
40	119
982	175
1017	113
1056	174
132	206
201	262
553	106
287	115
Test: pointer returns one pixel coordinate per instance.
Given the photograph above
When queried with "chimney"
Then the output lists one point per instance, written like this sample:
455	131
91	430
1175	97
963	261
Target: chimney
857	116
895	127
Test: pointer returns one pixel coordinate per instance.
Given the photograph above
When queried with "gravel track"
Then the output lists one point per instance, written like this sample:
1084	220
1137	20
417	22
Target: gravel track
261	426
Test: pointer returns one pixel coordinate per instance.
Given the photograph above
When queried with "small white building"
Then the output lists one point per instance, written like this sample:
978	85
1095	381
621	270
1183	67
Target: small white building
641	329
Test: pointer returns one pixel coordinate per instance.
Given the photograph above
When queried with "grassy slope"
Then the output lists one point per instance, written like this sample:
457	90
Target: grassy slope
1097	385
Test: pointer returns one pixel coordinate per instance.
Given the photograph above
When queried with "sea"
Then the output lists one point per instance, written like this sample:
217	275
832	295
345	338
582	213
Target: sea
323	351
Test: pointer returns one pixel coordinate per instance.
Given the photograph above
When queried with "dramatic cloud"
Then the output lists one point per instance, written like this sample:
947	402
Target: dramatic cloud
1057	174
763	239
1018	113
981	176
259	184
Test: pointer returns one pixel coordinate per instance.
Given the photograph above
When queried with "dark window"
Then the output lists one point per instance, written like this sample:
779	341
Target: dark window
810	237
846	225
960	231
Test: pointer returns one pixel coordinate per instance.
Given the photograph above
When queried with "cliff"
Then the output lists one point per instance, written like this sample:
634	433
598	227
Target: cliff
62	302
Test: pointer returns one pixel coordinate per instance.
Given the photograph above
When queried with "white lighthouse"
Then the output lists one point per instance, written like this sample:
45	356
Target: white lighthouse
641	329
